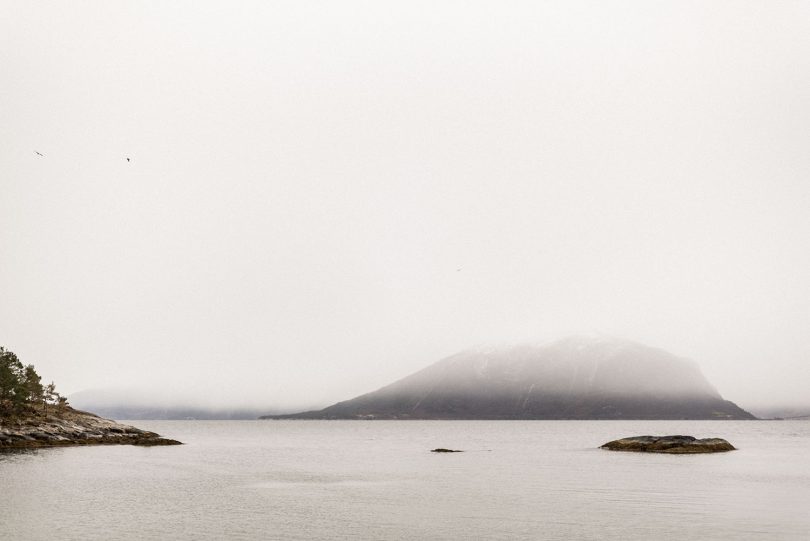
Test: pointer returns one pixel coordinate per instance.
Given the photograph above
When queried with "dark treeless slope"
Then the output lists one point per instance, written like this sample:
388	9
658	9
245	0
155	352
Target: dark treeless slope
574	378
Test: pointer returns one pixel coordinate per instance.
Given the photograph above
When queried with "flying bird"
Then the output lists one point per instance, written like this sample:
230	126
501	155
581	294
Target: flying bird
127	159
38	153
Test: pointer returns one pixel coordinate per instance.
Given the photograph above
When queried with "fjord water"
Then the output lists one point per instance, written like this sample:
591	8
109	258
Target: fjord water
378	480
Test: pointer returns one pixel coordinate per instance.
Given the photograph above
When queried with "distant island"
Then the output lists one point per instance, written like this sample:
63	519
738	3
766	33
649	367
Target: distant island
36	415
573	378
146	403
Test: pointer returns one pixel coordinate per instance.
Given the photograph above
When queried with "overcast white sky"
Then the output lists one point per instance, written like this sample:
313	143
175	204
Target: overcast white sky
326	196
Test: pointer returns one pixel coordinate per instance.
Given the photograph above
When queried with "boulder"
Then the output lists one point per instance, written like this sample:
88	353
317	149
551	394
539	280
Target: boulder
669	444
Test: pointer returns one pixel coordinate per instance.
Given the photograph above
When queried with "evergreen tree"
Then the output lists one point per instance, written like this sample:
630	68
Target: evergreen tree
35	393
12	381
21	387
51	396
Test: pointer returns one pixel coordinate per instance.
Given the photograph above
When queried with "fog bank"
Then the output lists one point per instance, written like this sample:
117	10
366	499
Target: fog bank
293	203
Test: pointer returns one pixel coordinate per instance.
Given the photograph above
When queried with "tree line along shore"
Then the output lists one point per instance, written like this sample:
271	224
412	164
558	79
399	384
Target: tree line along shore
21	388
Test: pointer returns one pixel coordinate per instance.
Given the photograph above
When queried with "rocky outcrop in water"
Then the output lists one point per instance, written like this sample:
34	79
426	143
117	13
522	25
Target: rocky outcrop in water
66	426
669	444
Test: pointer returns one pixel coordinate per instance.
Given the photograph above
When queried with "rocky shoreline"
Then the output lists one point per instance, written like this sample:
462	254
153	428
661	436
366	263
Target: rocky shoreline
66	426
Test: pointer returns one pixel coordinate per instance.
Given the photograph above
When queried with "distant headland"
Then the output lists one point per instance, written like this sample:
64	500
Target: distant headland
36	415
573	378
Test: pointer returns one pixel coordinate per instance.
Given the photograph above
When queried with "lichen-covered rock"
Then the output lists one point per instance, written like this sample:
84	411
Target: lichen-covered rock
669	444
66	426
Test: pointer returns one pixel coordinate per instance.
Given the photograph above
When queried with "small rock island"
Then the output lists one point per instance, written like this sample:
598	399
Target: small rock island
35	415
669	444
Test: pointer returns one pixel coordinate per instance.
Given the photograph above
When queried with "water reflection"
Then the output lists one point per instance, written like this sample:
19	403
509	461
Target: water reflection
10	455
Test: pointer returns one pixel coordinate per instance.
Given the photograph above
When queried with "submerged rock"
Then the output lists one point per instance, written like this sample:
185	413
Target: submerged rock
669	444
66	426
443	450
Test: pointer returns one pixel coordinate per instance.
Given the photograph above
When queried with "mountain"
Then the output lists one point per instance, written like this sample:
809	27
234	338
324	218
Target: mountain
147	413
794	412
574	378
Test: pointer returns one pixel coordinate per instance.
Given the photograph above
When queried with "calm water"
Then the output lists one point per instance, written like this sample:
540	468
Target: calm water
377	480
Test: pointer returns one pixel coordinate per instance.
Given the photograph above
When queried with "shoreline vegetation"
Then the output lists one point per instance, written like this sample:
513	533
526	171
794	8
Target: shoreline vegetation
34	415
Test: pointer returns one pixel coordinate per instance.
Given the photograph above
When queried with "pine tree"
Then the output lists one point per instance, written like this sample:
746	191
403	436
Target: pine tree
21	387
35	392
12	381
50	394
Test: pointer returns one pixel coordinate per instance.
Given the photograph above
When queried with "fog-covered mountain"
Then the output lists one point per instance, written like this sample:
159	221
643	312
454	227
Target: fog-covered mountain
794	412
574	378
133	404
